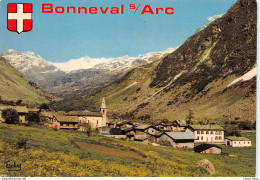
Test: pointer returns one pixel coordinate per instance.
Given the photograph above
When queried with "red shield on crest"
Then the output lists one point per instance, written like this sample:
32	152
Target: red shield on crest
19	17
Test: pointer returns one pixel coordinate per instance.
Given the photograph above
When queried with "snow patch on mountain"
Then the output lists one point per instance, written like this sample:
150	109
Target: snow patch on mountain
246	77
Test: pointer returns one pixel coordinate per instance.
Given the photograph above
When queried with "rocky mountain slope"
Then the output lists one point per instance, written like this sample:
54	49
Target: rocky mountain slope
14	86
78	77
213	75
93	76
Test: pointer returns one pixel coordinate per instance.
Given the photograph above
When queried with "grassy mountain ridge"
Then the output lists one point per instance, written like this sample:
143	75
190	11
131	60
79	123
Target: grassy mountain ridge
195	77
15	86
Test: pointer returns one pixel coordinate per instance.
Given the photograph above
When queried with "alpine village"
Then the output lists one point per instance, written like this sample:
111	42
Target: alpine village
187	112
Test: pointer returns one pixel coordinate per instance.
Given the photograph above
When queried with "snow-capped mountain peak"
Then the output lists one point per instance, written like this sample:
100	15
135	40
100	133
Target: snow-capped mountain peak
11	51
25	61
76	77
29	60
208	21
80	63
111	64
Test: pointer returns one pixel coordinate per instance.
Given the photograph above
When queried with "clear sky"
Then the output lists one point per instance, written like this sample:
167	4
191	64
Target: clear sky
61	37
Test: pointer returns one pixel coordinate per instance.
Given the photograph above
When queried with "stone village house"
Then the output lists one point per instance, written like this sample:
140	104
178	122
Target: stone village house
182	140
156	132
58	120
67	122
21	110
143	133
49	119
178	133
208	148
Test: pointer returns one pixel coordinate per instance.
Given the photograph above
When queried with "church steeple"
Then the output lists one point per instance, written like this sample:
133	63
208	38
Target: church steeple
103	111
103	105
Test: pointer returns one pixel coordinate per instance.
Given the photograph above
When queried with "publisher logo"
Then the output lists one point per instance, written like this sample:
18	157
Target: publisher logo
19	17
13	166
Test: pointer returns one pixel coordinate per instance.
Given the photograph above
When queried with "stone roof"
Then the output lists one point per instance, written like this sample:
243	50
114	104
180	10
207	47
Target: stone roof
128	129
105	133
180	135
157	123
158	133
47	113
33	109
206	127
143	127
140	137
181	122
204	147
60	116
235	138
116	131
19	109
63	118
84	113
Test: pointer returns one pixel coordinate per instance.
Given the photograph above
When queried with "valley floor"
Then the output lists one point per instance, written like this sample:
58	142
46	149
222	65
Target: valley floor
69	153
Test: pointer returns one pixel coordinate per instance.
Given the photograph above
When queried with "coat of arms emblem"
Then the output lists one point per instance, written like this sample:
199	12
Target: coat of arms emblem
19	17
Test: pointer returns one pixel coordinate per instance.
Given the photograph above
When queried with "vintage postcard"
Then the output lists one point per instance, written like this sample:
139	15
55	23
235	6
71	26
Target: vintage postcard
130	88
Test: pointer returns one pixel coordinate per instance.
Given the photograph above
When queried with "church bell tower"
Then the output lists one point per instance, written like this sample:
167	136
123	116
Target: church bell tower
103	112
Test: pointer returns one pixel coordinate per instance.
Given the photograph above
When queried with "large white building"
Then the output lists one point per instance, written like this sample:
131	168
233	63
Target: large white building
207	133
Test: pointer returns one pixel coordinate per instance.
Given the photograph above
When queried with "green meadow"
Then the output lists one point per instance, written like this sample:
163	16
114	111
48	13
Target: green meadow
69	153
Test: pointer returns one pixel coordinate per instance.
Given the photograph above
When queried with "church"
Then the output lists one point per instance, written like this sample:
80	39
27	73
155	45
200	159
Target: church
93	119
78	120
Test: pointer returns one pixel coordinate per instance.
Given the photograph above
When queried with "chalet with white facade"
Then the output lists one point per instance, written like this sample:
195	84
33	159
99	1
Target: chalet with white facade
234	141
207	133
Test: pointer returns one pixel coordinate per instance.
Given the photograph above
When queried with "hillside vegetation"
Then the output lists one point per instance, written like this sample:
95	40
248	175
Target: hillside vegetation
14	86
195	77
56	153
